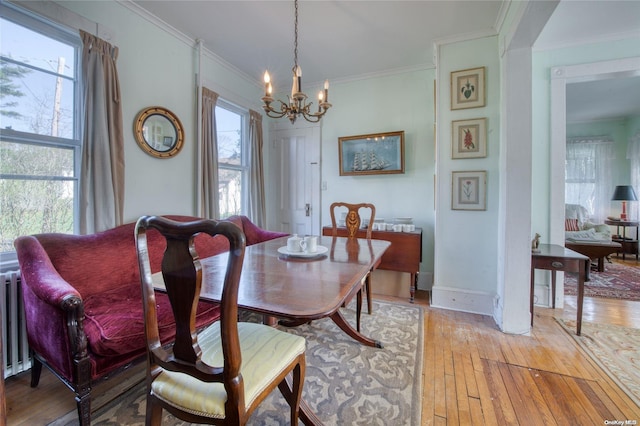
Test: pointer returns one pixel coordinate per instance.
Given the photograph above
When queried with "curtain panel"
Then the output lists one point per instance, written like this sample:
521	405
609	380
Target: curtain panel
589	181
633	155
102	168
257	210
209	208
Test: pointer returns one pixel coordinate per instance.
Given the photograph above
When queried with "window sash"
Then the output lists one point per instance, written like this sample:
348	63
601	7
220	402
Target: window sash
52	30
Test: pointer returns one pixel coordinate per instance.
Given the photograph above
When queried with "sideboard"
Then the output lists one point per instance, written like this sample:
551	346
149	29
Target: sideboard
404	254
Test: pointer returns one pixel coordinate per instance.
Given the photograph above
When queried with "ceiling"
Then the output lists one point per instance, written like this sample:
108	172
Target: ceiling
346	40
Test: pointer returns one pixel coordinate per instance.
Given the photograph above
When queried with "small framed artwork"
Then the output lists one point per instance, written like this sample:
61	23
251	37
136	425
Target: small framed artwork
167	141
469	190
373	154
467	88
469	138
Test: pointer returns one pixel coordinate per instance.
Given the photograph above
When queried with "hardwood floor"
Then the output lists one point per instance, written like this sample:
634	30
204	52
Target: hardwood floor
473	373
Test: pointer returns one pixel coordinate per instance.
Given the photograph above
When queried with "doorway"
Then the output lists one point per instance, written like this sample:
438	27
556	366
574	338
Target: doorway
560	78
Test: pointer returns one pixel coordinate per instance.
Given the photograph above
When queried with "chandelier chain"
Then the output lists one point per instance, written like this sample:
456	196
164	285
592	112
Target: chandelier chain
295	42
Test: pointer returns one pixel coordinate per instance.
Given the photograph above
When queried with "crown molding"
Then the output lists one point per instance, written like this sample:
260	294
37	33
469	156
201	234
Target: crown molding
465	37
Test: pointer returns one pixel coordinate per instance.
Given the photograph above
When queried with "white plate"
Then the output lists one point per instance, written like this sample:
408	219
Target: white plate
321	250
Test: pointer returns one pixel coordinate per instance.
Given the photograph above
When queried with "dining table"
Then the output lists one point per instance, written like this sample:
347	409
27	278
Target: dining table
296	288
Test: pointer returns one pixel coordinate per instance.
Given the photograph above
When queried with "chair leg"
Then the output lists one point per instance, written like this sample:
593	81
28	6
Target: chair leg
293	394
153	413
36	370
369	295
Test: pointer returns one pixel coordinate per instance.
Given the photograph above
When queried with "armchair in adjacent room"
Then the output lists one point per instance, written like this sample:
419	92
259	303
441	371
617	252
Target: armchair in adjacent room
578	227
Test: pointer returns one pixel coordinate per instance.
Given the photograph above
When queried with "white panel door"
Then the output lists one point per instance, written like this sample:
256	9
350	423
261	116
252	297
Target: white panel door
299	180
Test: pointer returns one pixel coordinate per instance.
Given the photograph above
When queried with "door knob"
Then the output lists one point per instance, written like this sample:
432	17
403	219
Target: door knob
307	209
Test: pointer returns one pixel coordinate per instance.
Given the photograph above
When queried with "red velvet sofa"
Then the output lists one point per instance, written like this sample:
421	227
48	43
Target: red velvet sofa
83	300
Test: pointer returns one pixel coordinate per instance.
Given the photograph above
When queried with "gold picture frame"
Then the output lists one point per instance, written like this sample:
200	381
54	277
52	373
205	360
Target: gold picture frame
469	138
372	154
468	88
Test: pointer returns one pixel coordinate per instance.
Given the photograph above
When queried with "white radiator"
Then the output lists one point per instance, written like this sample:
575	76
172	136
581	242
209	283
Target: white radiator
15	348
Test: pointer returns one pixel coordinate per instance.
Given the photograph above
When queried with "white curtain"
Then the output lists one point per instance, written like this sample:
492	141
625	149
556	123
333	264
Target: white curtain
588	175
102	168
633	154
209	208
256	182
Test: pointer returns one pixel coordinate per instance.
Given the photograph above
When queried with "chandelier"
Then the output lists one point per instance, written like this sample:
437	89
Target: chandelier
297	104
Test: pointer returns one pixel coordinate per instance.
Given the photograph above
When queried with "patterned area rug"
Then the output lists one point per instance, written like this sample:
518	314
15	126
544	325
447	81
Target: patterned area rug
615	349
346	382
616	282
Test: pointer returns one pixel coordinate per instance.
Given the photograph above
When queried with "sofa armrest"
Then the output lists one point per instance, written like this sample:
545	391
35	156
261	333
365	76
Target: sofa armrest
255	234
54	309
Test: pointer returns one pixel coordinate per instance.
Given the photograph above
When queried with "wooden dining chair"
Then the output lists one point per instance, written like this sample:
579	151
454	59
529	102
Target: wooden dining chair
218	375
353	220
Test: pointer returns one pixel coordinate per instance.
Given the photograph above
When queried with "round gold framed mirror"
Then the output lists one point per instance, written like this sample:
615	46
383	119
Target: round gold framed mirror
158	132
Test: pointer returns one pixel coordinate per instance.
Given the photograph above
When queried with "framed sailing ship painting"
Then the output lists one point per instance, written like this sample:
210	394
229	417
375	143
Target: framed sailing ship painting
374	154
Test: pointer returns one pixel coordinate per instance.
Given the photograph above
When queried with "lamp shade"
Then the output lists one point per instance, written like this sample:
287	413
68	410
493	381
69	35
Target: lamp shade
624	193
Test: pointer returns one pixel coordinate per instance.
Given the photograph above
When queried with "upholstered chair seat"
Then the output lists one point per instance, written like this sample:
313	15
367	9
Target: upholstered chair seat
259	367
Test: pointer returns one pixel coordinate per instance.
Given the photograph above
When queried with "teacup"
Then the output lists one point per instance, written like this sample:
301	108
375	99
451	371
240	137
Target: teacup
311	243
408	227
397	228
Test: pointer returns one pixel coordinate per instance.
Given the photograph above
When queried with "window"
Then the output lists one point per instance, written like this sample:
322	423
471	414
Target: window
39	126
588	174
233	160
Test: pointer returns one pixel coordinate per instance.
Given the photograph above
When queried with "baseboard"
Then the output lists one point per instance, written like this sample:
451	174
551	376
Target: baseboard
458	299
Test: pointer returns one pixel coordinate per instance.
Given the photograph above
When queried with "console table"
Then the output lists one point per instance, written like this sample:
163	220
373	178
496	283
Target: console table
629	244
554	257
404	255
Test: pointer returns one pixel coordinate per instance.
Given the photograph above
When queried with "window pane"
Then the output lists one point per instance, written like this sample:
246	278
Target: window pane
36	102
230	192
24	45
37	98
34	206
24	159
229	131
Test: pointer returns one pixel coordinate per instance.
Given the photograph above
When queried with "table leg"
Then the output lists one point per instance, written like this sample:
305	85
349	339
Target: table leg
553	289
581	277
531	294
347	328
413	280
601	264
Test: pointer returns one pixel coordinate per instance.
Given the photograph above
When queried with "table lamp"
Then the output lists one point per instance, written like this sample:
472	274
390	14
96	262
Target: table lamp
624	193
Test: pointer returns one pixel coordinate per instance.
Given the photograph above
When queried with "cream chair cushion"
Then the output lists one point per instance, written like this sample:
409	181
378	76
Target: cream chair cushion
266	352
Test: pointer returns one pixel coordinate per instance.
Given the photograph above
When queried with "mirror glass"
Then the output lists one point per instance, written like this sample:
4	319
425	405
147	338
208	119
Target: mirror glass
158	132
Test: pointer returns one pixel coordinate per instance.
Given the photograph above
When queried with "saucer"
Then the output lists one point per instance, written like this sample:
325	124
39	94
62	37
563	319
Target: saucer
321	250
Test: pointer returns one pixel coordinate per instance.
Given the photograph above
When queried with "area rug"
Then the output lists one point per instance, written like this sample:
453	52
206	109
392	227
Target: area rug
616	282
615	349
345	383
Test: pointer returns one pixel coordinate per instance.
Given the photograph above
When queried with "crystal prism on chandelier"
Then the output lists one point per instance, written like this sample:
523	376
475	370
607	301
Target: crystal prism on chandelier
297	104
